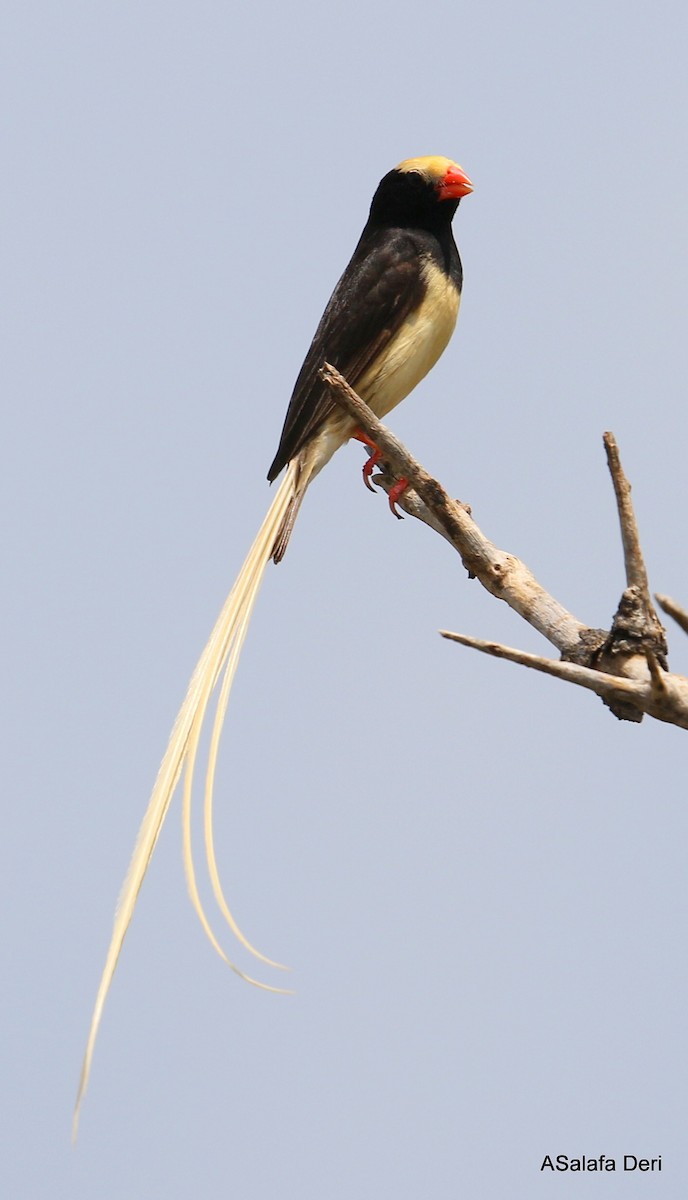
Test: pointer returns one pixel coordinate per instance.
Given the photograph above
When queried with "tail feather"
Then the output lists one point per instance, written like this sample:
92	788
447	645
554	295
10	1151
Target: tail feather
287	526
220	714
231	657
222	651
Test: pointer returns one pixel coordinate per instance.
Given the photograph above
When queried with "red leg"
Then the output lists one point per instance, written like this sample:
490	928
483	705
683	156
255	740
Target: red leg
372	460
394	493
369	466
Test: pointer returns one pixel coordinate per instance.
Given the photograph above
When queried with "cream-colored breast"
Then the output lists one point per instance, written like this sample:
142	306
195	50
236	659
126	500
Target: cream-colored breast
411	353
415	349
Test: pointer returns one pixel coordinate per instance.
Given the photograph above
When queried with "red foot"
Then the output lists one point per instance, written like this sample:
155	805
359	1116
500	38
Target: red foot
371	462
373	459
394	494
368	468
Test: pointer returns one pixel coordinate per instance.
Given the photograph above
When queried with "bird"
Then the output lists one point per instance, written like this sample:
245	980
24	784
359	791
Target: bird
389	319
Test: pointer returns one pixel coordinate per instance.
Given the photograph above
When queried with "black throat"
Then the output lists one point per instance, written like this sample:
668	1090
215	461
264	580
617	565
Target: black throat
406	200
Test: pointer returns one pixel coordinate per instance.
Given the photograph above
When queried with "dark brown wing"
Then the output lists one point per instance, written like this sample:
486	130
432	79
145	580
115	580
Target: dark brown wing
382	284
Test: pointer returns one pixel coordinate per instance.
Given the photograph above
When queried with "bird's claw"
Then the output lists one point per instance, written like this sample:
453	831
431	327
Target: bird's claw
393	495
369	466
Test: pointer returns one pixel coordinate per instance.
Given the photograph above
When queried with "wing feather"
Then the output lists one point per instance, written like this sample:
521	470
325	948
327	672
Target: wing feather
381	286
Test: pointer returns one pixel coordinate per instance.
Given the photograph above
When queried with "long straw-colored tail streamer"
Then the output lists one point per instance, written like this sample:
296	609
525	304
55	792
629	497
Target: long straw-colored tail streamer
221	652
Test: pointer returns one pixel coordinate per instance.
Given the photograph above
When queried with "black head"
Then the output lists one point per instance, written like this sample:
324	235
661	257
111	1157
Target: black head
421	192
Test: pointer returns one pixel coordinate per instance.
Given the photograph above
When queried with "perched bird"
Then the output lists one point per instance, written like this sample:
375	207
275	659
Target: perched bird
386	324
387	321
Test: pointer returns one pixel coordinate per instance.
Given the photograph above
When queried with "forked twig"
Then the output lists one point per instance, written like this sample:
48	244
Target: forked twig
626	666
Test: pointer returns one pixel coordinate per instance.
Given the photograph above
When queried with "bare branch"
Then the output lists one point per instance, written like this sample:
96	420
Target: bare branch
672	609
504	575
636	575
662	695
636	628
604	685
626	666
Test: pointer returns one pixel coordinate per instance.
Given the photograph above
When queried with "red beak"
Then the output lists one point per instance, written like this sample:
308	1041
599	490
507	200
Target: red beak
454	185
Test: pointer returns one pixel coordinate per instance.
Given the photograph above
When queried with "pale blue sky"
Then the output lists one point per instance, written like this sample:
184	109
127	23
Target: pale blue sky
477	875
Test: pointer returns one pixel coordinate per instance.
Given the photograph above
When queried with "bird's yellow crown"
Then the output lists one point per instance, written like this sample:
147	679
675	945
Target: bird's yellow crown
433	166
